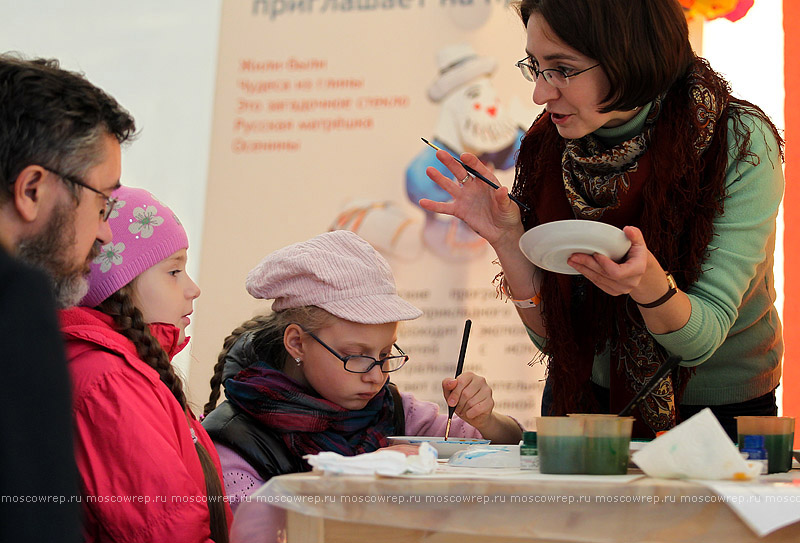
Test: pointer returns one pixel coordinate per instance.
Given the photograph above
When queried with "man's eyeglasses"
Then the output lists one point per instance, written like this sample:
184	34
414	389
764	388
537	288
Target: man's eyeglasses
363	364
555	76
110	201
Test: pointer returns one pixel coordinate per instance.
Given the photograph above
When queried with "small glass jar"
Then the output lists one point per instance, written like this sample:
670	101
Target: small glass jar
529	451
756	451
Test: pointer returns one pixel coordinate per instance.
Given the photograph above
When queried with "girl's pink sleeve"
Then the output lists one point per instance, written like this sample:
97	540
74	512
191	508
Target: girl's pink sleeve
423	419
241	479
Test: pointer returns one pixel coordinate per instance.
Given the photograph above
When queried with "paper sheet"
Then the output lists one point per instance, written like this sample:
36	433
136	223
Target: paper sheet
763	506
444	471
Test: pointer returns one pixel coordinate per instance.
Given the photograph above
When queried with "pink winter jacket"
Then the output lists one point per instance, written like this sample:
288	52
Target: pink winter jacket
141	478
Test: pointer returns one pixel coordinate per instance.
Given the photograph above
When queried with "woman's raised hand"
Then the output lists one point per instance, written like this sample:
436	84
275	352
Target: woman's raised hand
488	211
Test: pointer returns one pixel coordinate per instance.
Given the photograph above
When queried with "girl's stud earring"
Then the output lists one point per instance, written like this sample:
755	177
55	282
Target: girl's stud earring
299	361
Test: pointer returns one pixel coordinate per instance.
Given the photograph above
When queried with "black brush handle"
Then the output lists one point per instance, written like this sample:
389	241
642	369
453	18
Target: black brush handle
460	365
670	364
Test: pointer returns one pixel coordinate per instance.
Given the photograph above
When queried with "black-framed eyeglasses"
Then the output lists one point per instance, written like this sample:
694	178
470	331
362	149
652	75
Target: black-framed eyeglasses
110	200
364	364
554	76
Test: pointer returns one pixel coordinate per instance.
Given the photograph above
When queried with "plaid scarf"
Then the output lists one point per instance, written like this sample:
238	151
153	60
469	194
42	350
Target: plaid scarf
669	181
306	422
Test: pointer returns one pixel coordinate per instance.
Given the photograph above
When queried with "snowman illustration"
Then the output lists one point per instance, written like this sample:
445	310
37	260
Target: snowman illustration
471	119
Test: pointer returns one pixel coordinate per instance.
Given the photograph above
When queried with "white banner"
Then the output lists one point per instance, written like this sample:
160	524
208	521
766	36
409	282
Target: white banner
320	106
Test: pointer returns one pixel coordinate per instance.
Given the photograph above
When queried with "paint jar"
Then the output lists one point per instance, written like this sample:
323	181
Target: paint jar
529	451
608	441
561	444
778	435
755	450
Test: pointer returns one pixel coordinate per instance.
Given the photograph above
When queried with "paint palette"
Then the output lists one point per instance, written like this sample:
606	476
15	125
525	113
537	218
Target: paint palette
443	448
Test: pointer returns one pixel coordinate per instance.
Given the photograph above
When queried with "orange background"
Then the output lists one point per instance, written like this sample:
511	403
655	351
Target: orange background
791	242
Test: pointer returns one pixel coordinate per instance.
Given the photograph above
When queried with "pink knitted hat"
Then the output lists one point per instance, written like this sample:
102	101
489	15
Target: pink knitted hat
145	233
338	272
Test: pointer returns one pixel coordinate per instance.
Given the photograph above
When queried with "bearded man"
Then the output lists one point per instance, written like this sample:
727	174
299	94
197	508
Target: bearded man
60	140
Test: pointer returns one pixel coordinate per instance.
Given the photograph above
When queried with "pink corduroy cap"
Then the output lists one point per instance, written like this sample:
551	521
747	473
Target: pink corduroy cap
338	272
145	233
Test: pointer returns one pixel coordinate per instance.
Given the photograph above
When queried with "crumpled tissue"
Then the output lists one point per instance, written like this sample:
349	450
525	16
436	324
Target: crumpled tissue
698	448
381	462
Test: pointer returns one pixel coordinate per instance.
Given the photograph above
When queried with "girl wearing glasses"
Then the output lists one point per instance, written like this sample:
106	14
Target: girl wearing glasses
640	133
314	375
149	471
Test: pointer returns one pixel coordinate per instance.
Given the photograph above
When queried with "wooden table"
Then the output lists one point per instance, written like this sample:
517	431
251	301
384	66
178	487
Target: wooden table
311	508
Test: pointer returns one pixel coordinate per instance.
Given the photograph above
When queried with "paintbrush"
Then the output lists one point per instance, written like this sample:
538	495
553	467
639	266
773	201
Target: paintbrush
670	364
472	171
459	367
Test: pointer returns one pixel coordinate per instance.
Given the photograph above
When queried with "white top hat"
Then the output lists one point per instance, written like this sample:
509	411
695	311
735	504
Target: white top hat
458	64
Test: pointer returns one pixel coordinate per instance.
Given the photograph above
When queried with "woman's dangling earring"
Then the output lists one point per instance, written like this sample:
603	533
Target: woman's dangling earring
299	361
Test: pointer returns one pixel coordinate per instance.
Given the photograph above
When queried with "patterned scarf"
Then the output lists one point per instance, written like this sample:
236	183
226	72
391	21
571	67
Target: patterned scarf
308	423
647	182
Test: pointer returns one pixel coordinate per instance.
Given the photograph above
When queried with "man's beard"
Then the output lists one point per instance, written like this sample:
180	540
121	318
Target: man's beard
49	251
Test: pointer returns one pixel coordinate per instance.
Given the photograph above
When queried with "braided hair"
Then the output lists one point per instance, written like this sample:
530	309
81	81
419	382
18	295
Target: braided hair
216	379
129	322
267	341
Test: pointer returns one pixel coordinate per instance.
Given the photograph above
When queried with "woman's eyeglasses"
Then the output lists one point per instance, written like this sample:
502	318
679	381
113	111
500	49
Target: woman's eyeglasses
555	76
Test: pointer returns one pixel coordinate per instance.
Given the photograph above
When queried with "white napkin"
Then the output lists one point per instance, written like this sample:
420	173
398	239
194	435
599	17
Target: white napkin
698	448
382	462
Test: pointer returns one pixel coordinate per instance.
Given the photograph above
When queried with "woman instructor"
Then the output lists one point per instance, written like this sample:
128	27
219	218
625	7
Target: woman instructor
640	133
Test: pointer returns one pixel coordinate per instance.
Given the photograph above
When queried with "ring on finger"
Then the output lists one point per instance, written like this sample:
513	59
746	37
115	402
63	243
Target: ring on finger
466	178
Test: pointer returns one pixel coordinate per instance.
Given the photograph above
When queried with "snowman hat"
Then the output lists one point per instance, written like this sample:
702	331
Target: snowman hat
458	64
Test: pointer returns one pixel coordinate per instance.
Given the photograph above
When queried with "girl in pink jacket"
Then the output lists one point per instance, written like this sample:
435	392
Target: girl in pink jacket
149	471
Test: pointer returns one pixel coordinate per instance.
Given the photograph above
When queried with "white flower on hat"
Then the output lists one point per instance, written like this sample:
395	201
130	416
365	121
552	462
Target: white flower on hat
110	254
114	213
137	243
146	220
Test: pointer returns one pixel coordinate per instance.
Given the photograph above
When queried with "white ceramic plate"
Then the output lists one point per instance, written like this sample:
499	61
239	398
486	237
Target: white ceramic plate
549	245
444	448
